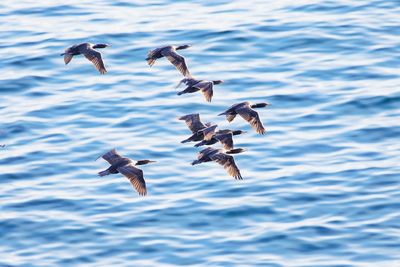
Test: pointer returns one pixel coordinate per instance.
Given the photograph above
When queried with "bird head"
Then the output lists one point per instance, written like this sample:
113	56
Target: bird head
237	132
182	47
235	151
143	162
218	81
101	46
260	105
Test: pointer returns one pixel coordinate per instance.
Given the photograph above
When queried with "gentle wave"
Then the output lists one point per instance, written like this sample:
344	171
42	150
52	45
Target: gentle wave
319	189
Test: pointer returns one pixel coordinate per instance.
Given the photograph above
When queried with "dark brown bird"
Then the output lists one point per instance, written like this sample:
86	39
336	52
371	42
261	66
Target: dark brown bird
193	85
195	126
222	158
224	136
88	50
126	167
170	53
246	111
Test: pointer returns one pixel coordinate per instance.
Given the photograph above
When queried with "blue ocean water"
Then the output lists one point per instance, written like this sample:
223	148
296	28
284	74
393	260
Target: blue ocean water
321	188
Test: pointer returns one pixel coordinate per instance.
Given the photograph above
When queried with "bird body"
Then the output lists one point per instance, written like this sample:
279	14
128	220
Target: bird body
246	111
89	51
225	137
221	157
193	85
126	167
170	53
195	126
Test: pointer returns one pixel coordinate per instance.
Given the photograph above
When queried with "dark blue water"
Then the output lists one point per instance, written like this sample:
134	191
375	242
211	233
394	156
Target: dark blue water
321	188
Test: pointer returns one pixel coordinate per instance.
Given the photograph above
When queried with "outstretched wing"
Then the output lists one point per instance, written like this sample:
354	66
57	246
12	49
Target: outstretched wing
151	56
226	140
193	122
188	81
177	60
205	152
95	57
209	132
135	176
112	156
68	54
67	58
229	164
230	117
206	88
251	116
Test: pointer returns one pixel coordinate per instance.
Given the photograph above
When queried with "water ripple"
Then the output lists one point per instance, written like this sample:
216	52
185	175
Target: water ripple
319	189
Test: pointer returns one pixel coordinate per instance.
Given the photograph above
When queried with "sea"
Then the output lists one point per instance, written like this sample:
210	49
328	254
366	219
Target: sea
320	188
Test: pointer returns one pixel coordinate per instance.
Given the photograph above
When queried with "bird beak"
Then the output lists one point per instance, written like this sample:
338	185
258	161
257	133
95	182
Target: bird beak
152	161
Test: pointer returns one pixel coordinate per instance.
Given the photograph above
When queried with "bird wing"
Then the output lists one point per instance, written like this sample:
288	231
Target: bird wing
95	57
231	113
226	140
230	117
135	176
252	117
205	152
151	58
193	122
188	90
177	60
67	58
229	164
209	132
112	156
152	53
188	81
206	88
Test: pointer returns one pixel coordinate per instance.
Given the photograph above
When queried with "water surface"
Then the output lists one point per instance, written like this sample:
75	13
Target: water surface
321	188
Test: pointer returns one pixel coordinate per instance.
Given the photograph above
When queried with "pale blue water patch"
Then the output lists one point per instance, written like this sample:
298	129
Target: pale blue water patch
321	188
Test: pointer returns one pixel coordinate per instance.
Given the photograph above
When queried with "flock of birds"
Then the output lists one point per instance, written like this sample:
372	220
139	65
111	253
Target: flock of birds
204	134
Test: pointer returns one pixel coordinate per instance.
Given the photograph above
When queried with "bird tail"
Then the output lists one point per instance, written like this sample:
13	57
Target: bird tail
196	162
223	113
202	143
185	141
180	93
62	54
104	173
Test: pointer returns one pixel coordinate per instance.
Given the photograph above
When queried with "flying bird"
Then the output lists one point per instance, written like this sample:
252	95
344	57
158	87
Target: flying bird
126	167
195	126
225	137
222	158
170	53
89	51
193	85
246	111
